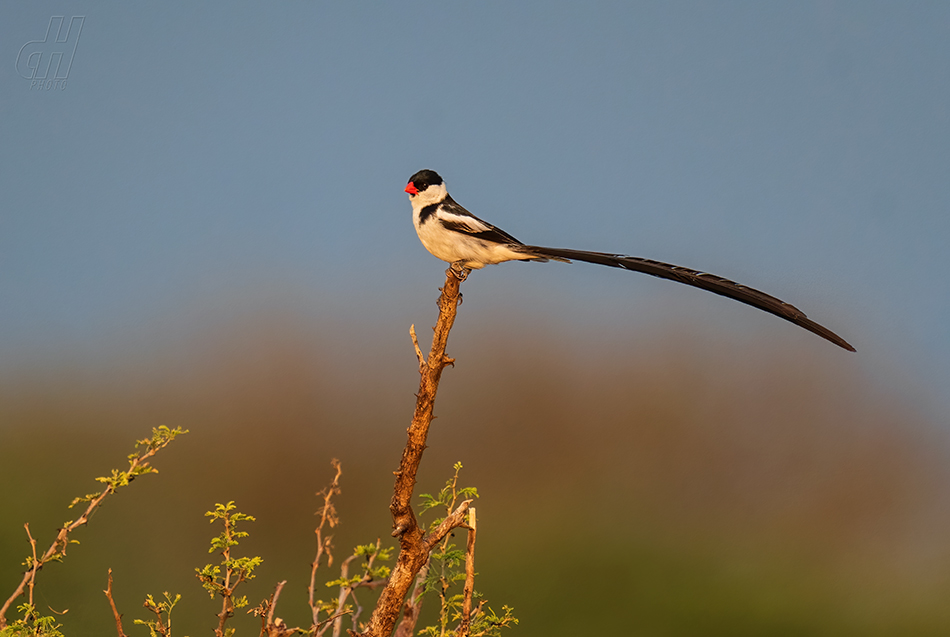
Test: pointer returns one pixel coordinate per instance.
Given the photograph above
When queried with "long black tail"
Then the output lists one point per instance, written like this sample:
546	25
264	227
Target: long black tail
704	280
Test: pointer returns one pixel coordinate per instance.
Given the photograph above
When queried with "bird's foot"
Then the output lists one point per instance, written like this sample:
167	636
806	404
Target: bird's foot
460	271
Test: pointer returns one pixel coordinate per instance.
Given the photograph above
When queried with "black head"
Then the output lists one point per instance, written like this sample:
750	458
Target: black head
425	178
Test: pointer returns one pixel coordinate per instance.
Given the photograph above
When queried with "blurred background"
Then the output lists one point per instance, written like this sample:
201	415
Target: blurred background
203	225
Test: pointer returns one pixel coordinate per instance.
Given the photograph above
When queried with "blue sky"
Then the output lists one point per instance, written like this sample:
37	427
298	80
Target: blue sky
206	159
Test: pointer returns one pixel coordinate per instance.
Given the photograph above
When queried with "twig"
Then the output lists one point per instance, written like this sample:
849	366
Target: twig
33	567
327	516
363	582
115	611
326	621
413	543
271	627
137	466
345	591
366	581
468	590
159	626
273	601
236	572
227	605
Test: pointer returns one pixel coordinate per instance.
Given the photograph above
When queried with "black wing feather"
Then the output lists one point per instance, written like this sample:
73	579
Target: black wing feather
496	235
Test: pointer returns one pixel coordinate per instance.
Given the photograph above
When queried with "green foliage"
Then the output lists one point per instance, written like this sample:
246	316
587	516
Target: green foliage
236	569
370	572
31	624
447	569
489	624
144	449
159	627
348	585
447	497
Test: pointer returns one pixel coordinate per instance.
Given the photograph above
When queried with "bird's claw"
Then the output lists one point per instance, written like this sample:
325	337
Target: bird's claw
460	271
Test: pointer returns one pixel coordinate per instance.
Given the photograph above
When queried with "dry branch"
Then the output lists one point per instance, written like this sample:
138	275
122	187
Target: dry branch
271	626
469	590
138	465
115	611
414	545
328	516
413	606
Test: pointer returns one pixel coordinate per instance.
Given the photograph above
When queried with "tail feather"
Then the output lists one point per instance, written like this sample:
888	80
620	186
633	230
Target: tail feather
703	280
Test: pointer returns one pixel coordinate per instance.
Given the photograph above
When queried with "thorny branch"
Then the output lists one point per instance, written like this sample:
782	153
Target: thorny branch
328	516
115	611
413	605
413	541
138	465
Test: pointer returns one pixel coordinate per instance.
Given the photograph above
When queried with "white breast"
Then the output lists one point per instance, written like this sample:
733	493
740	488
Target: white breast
451	246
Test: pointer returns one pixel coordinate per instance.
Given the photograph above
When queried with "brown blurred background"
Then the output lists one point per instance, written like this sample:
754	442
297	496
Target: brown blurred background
659	483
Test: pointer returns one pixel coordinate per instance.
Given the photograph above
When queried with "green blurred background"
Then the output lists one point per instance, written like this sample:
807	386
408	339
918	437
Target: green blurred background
668	483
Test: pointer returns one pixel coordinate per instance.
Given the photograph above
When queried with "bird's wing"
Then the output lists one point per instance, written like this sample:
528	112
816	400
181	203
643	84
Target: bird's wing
456	218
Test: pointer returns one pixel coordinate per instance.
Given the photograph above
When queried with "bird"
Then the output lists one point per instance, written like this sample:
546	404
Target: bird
453	234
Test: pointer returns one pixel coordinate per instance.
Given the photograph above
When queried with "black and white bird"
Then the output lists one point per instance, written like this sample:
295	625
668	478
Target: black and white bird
453	234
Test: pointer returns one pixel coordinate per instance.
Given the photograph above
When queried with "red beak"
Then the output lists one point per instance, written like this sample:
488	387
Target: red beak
411	189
